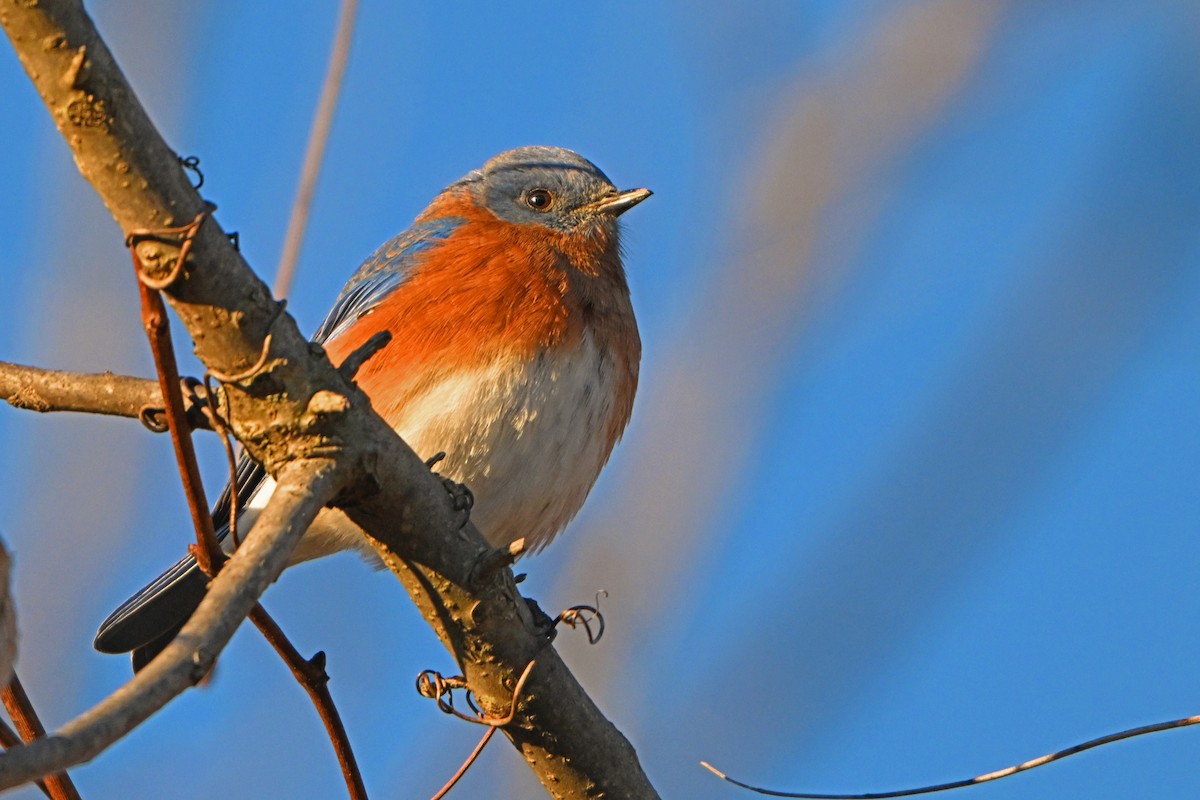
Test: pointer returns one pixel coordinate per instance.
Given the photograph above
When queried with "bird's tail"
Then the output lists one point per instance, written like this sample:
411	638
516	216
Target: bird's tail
147	622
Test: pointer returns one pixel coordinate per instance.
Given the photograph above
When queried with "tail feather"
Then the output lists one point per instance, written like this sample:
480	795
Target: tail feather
157	611
148	621
143	655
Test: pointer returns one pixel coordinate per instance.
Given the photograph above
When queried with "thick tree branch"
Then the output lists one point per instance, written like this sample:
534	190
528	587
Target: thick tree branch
296	406
45	390
304	488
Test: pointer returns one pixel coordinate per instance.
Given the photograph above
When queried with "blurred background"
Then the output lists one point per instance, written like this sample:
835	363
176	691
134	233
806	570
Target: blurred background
910	491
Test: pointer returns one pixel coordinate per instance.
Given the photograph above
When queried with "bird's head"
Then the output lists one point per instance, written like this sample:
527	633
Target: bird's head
550	186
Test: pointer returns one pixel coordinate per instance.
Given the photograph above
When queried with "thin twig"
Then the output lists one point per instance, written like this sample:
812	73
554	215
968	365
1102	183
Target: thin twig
466	765
352	363
154	317
59	785
314	154
8	737
991	776
221	426
498	559
311	674
432	684
208	551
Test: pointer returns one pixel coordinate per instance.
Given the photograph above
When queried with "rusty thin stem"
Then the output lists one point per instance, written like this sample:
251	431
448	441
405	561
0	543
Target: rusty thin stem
8	737
487	737
439	686
312	676
59	785
154	318
220	425
208	551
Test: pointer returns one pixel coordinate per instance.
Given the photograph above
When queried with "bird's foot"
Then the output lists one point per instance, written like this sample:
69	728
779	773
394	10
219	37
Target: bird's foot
460	497
544	626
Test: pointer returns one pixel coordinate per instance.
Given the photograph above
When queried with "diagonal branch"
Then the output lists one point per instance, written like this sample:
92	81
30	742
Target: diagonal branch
208	553
310	674
304	488
9	738
294	406
58	786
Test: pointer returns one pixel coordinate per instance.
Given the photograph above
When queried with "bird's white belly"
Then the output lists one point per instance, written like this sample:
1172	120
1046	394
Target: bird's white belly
528	439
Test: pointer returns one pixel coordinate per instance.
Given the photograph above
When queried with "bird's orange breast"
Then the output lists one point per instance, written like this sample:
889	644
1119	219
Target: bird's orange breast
494	289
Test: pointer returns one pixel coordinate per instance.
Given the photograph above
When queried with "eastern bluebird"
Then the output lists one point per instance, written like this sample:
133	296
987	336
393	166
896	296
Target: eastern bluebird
514	351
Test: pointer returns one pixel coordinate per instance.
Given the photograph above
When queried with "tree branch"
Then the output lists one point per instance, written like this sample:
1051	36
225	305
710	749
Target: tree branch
59	786
45	390
294	406
304	488
9	738
208	553
310	674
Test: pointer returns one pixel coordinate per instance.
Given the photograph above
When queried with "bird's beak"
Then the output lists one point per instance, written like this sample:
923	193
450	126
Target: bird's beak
620	203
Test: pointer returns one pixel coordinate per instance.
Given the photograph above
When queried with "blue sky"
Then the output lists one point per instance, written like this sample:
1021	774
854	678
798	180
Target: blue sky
910	492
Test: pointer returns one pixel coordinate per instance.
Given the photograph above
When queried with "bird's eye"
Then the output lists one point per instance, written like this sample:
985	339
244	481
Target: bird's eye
539	199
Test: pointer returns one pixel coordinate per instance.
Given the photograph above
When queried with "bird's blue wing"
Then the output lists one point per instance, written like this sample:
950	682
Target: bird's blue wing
389	267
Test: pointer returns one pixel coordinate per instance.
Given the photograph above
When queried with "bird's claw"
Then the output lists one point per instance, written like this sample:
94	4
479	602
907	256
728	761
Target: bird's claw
460	497
544	626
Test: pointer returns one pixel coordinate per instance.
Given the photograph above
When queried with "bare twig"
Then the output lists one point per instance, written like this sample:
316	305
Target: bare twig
208	552
59	785
466	765
304	489
987	778
8	737
46	390
498	559
154	317
314	154
352	363
222	428
310	673
431	684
